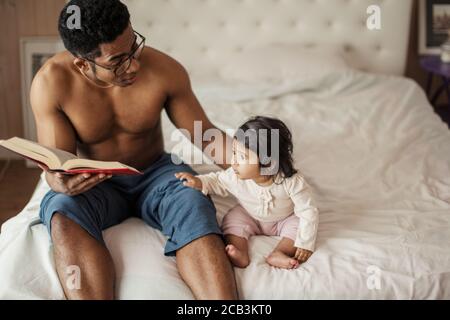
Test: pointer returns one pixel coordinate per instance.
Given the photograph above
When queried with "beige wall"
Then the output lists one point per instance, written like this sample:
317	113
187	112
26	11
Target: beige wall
20	18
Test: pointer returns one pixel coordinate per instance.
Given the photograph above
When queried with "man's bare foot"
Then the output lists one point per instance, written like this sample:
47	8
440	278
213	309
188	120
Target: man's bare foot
280	260
237	257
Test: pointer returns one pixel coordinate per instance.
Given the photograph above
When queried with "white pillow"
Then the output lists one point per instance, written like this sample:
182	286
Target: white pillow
283	63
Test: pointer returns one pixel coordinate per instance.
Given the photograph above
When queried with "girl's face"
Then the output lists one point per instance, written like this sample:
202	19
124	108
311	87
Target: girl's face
245	162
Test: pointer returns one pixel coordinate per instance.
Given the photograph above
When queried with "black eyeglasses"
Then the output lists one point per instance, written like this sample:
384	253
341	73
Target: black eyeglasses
125	64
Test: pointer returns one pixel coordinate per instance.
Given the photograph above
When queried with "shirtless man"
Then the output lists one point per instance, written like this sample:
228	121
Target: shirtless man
103	99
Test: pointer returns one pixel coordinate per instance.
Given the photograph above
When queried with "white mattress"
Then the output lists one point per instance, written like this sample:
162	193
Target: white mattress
378	160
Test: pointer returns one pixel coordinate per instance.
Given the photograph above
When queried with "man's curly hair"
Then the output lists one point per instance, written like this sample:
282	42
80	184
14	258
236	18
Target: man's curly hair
102	21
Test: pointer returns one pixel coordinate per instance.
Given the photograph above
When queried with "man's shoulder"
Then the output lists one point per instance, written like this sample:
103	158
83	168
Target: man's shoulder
167	66
51	82
160	58
56	71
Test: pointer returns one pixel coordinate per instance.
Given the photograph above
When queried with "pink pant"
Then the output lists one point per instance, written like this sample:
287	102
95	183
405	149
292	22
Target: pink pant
239	223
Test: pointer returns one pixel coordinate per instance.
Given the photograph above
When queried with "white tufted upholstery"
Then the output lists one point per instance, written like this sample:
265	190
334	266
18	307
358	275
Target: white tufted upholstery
203	33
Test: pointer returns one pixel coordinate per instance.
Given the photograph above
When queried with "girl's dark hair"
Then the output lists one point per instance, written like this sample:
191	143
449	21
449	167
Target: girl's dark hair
256	135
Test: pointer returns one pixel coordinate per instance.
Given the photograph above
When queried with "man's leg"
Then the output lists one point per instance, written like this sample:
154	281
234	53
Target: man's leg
83	263
78	254
205	268
188	219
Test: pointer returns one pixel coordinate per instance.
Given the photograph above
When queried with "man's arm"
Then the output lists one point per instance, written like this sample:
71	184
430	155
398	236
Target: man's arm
55	131
53	128
184	109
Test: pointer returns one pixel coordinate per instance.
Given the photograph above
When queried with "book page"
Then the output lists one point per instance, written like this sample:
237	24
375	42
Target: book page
93	164
59	160
51	157
26	152
62	155
58	157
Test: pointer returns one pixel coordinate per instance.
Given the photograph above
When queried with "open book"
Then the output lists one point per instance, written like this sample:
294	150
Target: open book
55	160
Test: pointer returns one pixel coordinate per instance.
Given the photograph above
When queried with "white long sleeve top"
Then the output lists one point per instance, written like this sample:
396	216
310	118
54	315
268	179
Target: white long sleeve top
270	203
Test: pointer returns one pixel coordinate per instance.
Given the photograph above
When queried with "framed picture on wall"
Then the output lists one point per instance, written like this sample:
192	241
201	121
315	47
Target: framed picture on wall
34	52
434	25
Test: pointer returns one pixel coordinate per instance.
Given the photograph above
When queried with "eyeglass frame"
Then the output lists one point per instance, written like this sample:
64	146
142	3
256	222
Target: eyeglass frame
129	58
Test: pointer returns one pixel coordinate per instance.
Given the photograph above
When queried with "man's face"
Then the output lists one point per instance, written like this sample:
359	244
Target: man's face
113	55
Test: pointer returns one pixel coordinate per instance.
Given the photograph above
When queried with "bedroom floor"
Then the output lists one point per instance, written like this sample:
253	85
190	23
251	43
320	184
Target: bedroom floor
16	188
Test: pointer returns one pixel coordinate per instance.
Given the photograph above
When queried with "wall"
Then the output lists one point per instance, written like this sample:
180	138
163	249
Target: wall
20	18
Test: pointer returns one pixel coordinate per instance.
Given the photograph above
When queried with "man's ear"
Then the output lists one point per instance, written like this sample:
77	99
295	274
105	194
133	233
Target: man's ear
81	64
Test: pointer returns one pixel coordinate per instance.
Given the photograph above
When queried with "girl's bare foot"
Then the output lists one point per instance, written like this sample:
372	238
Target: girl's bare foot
281	260
237	257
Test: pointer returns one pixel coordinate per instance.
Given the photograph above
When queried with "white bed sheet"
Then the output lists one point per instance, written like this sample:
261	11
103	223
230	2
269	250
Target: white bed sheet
378	159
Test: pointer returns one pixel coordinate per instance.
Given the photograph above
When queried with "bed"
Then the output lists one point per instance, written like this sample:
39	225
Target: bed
375	154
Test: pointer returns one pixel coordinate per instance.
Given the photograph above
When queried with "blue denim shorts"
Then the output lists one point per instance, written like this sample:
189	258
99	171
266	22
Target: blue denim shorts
182	214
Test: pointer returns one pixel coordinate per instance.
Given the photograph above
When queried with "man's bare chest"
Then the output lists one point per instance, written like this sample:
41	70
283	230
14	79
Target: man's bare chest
97	117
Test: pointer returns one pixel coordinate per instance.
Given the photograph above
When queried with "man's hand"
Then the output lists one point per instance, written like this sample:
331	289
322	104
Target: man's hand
191	181
76	184
302	255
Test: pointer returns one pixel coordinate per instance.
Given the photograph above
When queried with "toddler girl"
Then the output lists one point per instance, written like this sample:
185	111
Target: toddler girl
274	199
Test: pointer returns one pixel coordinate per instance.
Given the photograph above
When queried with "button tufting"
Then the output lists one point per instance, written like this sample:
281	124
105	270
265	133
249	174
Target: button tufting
193	30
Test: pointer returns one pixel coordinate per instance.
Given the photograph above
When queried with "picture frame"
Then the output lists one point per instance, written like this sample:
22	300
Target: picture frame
34	52
434	24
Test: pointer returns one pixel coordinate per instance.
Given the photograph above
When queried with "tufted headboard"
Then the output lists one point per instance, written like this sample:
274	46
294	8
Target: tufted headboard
202	34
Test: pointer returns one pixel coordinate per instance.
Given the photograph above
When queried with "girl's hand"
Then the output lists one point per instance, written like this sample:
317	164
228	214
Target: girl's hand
302	255
190	180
